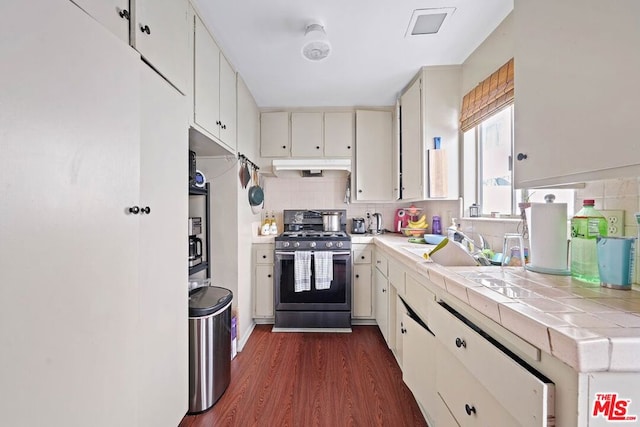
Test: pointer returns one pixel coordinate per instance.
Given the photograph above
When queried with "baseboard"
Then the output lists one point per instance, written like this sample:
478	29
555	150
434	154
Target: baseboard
246	336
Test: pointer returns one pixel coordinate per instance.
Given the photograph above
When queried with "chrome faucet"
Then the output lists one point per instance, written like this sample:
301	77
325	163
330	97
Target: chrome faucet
476	251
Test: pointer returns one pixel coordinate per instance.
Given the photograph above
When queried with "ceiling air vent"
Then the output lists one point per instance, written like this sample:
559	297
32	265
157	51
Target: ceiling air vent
428	21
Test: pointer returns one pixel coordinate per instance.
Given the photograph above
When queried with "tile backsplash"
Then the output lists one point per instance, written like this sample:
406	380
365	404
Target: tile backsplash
328	192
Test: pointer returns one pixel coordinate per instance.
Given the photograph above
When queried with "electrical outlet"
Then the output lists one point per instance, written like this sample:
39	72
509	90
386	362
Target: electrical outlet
615	220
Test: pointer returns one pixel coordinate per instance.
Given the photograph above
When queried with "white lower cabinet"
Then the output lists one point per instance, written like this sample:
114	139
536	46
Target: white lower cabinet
481	382
381	302
263	281
362	296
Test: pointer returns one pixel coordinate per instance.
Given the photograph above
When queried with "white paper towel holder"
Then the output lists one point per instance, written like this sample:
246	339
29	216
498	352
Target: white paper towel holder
549	198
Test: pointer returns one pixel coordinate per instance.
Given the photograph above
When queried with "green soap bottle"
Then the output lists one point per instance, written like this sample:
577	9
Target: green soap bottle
586	226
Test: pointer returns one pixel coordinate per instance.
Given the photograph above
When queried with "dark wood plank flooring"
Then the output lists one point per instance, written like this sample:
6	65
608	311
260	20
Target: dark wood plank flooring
313	379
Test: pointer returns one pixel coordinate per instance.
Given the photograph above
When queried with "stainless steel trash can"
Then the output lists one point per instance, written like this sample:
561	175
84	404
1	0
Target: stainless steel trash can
209	346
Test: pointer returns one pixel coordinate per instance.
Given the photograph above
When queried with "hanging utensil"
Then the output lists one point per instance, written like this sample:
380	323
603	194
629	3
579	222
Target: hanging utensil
256	195
247	174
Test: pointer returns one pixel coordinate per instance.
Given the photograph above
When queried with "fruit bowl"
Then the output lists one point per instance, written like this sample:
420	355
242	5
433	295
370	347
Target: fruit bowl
413	232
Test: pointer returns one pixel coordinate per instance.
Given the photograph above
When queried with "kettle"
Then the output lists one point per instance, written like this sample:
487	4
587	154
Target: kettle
375	226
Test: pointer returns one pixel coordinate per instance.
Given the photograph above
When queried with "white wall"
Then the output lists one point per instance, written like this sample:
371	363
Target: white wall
494	52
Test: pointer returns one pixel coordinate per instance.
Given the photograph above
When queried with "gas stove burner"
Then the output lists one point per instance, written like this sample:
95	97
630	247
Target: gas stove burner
313	234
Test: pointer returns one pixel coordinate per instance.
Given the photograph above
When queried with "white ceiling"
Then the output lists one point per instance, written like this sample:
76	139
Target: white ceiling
371	60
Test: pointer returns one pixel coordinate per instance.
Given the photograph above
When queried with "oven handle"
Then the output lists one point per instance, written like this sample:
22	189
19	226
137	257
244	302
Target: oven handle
312	252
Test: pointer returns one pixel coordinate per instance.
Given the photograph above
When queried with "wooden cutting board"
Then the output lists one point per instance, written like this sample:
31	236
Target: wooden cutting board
438	173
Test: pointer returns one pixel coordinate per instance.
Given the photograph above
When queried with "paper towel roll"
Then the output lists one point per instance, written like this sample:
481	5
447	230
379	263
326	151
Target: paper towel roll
548	237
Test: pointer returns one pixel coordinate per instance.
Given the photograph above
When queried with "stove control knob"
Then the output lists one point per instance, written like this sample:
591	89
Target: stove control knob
296	244
339	244
329	244
285	244
312	244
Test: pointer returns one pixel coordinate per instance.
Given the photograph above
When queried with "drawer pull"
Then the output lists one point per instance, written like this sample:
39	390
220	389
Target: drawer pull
264	257
469	409
461	343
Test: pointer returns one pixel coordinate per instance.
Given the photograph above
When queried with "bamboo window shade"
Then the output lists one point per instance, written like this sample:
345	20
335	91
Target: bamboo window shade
490	96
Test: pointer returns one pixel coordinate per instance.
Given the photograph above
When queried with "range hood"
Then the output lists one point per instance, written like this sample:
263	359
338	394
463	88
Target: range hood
310	167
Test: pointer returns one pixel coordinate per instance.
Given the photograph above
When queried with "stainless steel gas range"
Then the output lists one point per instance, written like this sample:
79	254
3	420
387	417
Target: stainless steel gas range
312	273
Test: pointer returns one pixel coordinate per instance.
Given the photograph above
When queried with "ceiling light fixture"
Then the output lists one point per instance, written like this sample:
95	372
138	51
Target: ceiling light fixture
428	21
316	44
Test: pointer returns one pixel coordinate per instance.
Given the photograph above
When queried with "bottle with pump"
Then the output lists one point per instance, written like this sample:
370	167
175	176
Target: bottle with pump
586	226
436	227
273	228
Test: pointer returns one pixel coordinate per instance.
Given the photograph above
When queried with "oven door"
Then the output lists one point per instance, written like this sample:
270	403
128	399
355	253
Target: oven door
336	298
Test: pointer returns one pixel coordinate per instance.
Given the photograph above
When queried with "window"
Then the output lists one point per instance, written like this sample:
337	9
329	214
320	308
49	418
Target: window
487	165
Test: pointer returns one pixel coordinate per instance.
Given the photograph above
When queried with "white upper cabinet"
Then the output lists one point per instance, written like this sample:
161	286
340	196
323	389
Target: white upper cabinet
373	153
274	134
339	135
113	14
306	135
158	30
576	91
214	89
413	162
430	108
160	34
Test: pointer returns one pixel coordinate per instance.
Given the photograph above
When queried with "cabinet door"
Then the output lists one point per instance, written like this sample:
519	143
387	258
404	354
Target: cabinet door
264	291
419	363
362	301
381	300
413	164
373	151
228	104
206	87
162	297
274	134
339	134
583	134
306	135
69	252
113	14
160	35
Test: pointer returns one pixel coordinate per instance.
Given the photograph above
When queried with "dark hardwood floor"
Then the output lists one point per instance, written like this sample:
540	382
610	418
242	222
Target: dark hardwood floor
313	379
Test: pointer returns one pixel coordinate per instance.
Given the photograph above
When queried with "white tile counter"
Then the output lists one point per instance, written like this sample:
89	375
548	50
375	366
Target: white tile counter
588	327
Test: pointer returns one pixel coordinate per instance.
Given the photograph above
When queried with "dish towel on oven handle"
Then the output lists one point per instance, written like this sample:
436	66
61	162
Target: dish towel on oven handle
323	268
302	271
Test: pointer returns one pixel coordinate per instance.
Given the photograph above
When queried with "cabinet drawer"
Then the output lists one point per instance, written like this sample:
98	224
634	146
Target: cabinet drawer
381	263
361	255
418	297
526	394
396	276
264	256
469	402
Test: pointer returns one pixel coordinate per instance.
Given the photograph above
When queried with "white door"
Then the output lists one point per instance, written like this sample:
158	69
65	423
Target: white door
69	159
228	104
381	301
306	135
162	293
338	134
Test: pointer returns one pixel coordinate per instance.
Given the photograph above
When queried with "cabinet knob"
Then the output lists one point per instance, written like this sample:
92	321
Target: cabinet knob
264	257
134	210
284	147
362	257
268	275
317	147
223	126
469	409
348	147
521	156
460	343
384	290
403	331
218	122
357	276
124	13
145	29
145	210
359	191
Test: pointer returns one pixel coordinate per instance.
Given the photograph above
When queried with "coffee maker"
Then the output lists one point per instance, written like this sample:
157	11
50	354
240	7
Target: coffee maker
195	243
